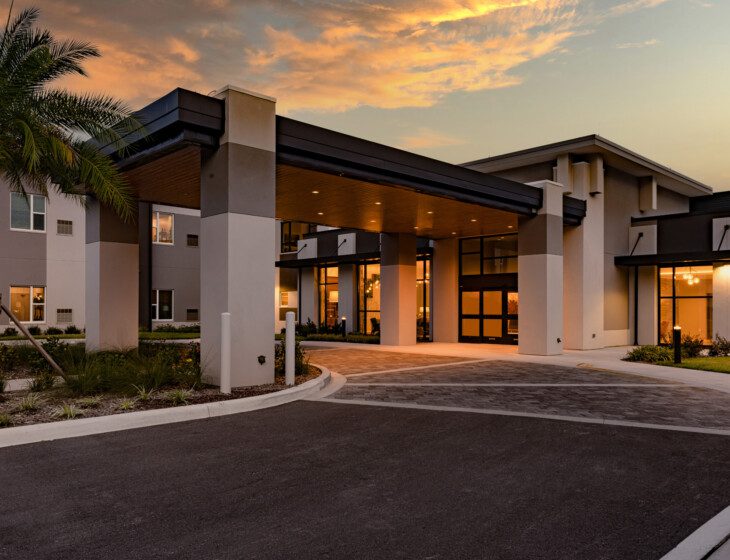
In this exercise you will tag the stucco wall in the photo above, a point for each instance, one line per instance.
(177, 267)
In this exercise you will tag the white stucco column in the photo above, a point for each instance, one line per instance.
(648, 306)
(583, 262)
(308, 299)
(398, 289)
(721, 300)
(347, 288)
(237, 240)
(445, 290)
(540, 278)
(112, 280)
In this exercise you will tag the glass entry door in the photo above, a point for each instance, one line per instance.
(489, 315)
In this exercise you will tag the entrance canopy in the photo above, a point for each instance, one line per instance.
(328, 178)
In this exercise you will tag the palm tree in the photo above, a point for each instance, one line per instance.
(45, 131)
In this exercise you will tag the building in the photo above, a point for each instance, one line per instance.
(576, 245)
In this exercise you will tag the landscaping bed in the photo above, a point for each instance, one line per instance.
(716, 357)
(102, 383)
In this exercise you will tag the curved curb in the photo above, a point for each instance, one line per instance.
(126, 421)
(705, 541)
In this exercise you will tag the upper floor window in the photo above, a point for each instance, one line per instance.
(163, 228)
(488, 255)
(291, 232)
(27, 213)
(28, 303)
(192, 240)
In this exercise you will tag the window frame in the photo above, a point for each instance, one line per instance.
(155, 304)
(674, 298)
(362, 304)
(322, 289)
(31, 198)
(190, 236)
(32, 304)
(155, 227)
(504, 260)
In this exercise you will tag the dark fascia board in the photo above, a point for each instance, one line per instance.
(181, 115)
(305, 145)
(672, 259)
(341, 259)
(592, 141)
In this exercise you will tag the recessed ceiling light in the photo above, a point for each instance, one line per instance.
(429, 212)
(315, 192)
(510, 227)
(473, 220)
(320, 213)
(453, 233)
(415, 227)
(378, 203)
(372, 221)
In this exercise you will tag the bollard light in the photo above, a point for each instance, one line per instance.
(344, 326)
(677, 341)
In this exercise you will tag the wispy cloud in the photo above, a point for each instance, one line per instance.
(319, 54)
(639, 44)
(425, 137)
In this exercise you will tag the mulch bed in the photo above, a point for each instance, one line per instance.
(107, 404)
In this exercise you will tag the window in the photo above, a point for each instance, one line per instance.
(28, 303)
(423, 295)
(369, 298)
(27, 213)
(64, 316)
(192, 240)
(192, 315)
(685, 299)
(488, 255)
(162, 305)
(163, 228)
(64, 227)
(329, 296)
(291, 232)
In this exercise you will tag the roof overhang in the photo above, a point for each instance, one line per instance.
(672, 258)
(614, 155)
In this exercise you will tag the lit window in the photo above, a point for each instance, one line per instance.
(64, 227)
(163, 228)
(27, 213)
(64, 316)
(162, 305)
(28, 303)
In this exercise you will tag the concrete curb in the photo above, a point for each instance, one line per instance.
(701, 544)
(126, 421)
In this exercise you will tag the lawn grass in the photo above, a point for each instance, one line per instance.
(42, 336)
(719, 364)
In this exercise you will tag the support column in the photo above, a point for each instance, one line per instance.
(540, 279)
(237, 240)
(347, 288)
(445, 286)
(721, 301)
(398, 289)
(112, 280)
(583, 268)
(648, 306)
(308, 297)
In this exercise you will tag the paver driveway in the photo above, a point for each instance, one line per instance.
(502, 386)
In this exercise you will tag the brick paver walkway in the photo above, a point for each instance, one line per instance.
(520, 387)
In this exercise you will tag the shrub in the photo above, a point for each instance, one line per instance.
(720, 346)
(8, 358)
(3, 383)
(301, 362)
(89, 402)
(42, 382)
(143, 393)
(352, 337)
(34, 330)
(67, 412)
(692, 346)
(30, 402)
(181, 329)
(127, 404)
(306, 329)
(72, 329)
(10, 331)
(178, 397)
(650, 354)
(53, 331)
(5, 420)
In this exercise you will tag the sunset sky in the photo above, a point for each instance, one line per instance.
(455, 80)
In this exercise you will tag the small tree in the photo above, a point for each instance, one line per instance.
(44, 131)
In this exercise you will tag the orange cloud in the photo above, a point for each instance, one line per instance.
(425, 137)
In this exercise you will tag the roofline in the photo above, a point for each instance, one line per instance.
(600, 142)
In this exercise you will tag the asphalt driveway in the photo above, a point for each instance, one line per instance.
(333, 480)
